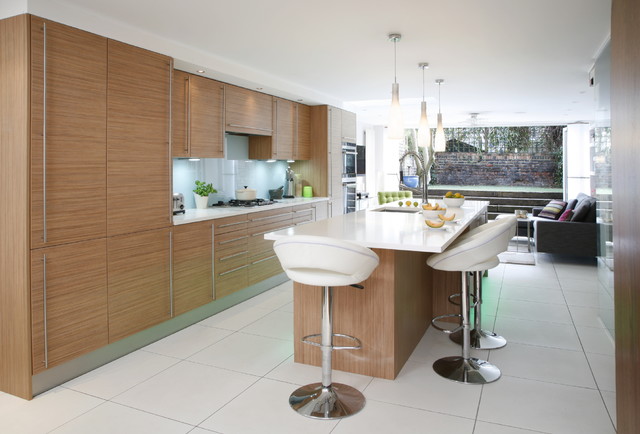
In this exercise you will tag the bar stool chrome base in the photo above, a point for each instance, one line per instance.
(468, 371)
(333, 402)
(480, 340)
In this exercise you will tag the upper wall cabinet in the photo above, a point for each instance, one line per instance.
(197, 116)
(68, 134)
(247, 111)
(348, 127)
(302, 145)
(138, 142)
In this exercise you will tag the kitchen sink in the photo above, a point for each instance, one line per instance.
(397, 209)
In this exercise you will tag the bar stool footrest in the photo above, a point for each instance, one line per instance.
(448, 315)
(357, 346)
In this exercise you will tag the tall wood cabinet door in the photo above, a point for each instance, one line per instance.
(285, 119)
(302, 147)
(138, 152)
(139, 269)
(68, 134)
(180, 114)
(348, 127)
(247, 111)
(68, 302)
(335, 173)
(192, 266)
(206, 112)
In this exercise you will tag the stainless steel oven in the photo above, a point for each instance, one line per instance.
(349, 157)
(349, 197)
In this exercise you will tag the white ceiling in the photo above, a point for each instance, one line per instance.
(511, 61)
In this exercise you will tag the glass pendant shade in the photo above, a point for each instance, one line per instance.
(424, 133)
(396, 128)
(440, 143)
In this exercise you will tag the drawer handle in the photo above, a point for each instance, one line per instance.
(233, 256)
(250, 127)
(271, 230)
(234, 239)
(231, 224)
(270, 217)
(264, 259)
(234, 270)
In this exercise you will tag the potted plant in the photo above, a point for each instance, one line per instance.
(201, 193)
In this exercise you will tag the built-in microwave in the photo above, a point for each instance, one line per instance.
(349, 157)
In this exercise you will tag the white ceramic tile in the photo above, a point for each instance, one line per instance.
(287, 307)
(596, 340)
(111, 418)
(584, 286)
(188, 341)
(582, 299)
(586, 316)
(187, 392)
(270, 300)
(534, 311)
(544, 406)
(524, 293)
(299, 374)
(418, 386)
(489, 305)
(436, 344)
(586, 272)
(527, 272)
(383, 418)
(245, 353)
(235, 317)
(604, 369)
(538, 333)
(264, 409)
(492, 428)
(531, 281)
(610, 402)
(278, 324)
(544, 364)
(43, 413)
(198, 430)
(114, 378)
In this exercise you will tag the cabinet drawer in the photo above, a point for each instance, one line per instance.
(262, 267)
(229, 224)
(230, 240)
(259, 245)
(302, 217)
(231, 282)
(228, 264)
(267, 217)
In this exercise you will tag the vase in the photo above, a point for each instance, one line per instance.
(201, 201)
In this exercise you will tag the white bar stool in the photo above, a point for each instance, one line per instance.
(474, 253)
(326, 262)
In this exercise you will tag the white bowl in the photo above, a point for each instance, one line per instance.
(432, 214)
(453, 202)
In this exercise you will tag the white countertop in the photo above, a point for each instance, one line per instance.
(216, 212)
(390, 230)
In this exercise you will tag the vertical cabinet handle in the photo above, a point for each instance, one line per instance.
(213, 271)
(44, 132)
(187, 114)
(223, 118)
(171, 273)
(170, 133)
(44, 310)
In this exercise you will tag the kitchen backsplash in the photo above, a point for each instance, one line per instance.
(228, 174)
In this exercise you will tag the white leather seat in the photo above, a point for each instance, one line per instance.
(475, 252)
(326, 262)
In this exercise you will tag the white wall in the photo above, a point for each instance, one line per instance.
(10, 8)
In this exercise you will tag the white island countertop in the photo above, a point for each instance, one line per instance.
(216, 212)
(391, 230)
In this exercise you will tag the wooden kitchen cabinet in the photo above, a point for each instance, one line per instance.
(68, 134)
(138, 151)
(263, 262)
(302, 145)
(348, 127)
(139, 269)
(197, 106)
(248, 111)
(230, 255)
(68, 302)
(192, 266)
(336, 204)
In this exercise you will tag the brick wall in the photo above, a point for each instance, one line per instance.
(470, 168)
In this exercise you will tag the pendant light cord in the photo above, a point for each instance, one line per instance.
(395, 61)
(439, 98)
(423, 83)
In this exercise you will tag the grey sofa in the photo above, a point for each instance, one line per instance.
(575, 237)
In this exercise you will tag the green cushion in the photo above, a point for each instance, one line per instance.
(393, 196)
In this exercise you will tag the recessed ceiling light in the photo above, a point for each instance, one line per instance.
(201, 71)
(194, 159)
(300, 100)
(258, 88)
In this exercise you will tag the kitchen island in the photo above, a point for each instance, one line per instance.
(393, 311)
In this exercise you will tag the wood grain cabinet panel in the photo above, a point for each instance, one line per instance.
(138, 152)
(197, 116)
(192, 266)
(248, 111)
(68, 134)
(68, 302)
(230, 255)
(348, 126)
(139, 269)
(285, 129)
(302, 145)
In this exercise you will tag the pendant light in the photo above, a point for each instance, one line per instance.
(424, 133)
(440, 142)
(396, 128)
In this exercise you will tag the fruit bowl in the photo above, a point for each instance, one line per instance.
(410, 181)
(432, 214)
(453, 202)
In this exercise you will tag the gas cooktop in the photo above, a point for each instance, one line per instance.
(245, 203)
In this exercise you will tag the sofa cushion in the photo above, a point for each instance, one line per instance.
(566, 215)
(572, 204)
(553, 210)
(585, 210)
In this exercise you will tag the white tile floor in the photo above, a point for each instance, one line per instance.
(233, 373)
